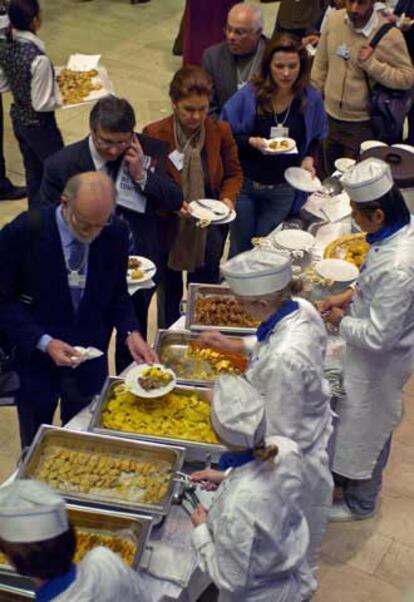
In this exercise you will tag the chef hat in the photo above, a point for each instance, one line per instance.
(237, 412)
(30, 511)
(257, 272)
(368, 181)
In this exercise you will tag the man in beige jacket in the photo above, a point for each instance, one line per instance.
(343, 60)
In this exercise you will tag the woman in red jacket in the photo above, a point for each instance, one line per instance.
(203, 160)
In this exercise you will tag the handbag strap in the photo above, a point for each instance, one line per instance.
(383, 30)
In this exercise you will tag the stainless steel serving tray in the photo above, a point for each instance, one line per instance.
(204, 290)
(171, 345)
(15, 588)
(106, 444)
(135, 527)
(195, 451)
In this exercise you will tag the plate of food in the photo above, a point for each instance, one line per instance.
(351, 247)
(79, 87)
(210, 210)
(276, 146)
(150, 381)
(140, 269)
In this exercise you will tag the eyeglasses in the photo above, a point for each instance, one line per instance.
(237, 31)
(81, 223)
(104, 143)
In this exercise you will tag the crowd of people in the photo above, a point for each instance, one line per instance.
(118, 192)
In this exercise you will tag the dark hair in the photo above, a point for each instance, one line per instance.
(264, 83)
(189, 80)
(43, 559)
(112, 114)
(393, 206)
(22, 13)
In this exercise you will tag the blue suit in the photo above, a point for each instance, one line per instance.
(105, 305)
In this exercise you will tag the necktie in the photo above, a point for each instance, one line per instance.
(76, 266)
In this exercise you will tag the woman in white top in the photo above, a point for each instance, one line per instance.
(252, 541)
(379, 334)
(285, 371)
(26, 70)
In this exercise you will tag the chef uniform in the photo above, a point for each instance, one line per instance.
(253, 545)
(31, 512)
(286, 372)
(379, 334)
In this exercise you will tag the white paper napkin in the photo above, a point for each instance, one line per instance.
(83, 62)
(87, 353)
(337, 208)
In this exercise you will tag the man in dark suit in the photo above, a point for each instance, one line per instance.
(232, 63)
(70, 291)
(137, 164)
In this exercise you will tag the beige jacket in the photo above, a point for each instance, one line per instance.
(342, 82)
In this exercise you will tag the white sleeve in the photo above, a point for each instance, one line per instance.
(250, 343)
(4, 84)
(383, 328)
(226, 559)
(44, 90)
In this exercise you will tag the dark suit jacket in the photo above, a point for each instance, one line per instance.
(161, 192)
(105, 304)
(220, 64)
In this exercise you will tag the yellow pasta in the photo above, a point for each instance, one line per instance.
(175, 415)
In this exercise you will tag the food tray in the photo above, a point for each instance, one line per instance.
(171, 347)
(205, 290)
(337, 248)
(15, 588)
(132, 527)
(195, 450)
(101, 78)
(120, 449)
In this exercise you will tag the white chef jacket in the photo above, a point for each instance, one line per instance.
(254, 543)
(102, 576)
(44, 91)
(379, 333)
(287, 371)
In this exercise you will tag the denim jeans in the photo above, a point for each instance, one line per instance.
(259, 211)
(361, 495)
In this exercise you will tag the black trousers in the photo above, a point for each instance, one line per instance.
(36, 145)
(38, 398)
(171, 287)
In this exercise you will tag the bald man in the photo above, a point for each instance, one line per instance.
(63, 284)
(231, 64)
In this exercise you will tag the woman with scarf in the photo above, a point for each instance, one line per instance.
(203, 160)
(285, 371)
(378, 330)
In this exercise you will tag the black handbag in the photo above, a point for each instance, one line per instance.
(388, 108)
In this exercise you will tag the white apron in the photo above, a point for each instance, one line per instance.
(379, 334)
(287, 370)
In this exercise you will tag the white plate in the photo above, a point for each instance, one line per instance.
(294, 240)
(406, 147)
(278, 151)
(337, 270)
(147, 266)
(344, 163)
(368, 144)
(131, 381)
(302, 179)
(209, 209)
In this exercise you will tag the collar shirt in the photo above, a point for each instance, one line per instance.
(368, 28)
(99, 163)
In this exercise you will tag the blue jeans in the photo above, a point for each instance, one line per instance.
(259, 211)
(361, 495)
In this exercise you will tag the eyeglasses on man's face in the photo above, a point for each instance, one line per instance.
(105, 142)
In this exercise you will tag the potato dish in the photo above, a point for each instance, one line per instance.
(175, 415)
(106, 475)
(222, 310)
(353, 248)
(86, 540)
(75, 86)
(279, 145)
(154, 378)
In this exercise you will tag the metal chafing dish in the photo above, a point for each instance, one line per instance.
(204, 290)
(135, 528)
(105, 444)
(196, 451)
(15, 588)
(171, 347)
